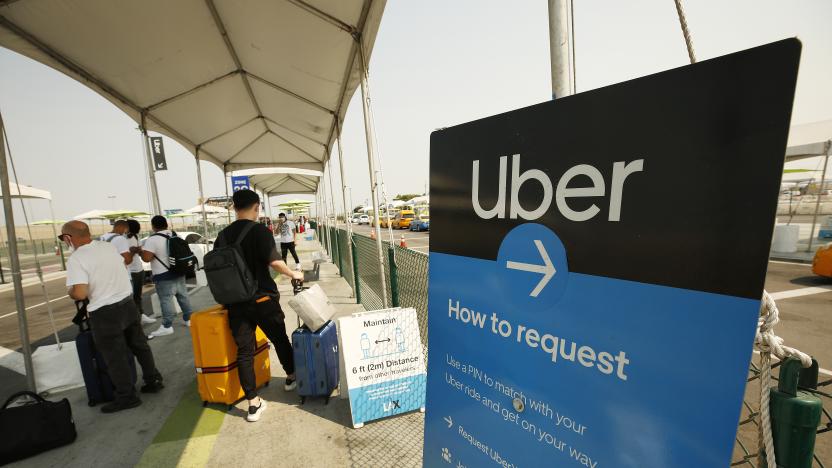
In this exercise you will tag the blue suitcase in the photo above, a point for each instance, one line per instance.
(316, 361)
(94, 370)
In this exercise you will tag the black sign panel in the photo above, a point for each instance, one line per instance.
(655, 145)
(159, 161)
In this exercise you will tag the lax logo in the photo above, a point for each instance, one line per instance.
(391, 405)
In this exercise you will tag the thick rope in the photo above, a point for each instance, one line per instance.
(770, 344)
(685, 31)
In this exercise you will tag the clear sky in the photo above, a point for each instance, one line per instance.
(436, 63)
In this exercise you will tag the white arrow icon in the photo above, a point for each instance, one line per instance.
(449, 421)
(547, 269)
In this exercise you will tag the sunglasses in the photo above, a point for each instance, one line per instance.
(63, 237)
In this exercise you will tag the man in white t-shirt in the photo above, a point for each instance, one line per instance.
(128, 246)
(95, 272)
(119, 228)
(169, 285)
(286, 233)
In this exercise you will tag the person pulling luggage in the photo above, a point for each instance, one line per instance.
(95, 271)
(258, 250)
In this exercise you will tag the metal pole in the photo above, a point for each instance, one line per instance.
(335, 213)
(55, 236)
(201, 195)
(561, 48)
(228, 206)
(154, 190)
(326, 216)
(820, 191)
(14, 260)
(368, 133)
(347, 213)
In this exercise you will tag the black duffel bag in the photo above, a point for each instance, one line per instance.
(34, 428)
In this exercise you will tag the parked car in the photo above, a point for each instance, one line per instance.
(403, 219)
(363, 219)
(822, 263)
(420, 223)
(196, 241)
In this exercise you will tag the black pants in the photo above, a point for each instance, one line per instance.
(138, 285)
(288, 247)
(115, 328)
(243, 319)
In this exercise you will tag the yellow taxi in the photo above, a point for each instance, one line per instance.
(403, 219)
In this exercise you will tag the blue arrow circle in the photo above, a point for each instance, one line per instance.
(533, 266)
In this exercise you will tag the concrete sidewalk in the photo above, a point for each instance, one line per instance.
(172, 428)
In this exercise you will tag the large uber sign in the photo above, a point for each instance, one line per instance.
(596, 269)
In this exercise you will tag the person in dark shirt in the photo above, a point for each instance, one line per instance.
(259, 251)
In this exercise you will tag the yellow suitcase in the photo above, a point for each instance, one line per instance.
(215, 357)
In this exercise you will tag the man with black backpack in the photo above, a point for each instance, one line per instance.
(238, 275)
(170, 260)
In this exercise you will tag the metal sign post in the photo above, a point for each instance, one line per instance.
(599, 307)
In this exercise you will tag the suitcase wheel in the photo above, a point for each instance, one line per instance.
(204, 404)
(230, 407)
(91, 403)
(302, 400)
(266, 384)
(327, 401)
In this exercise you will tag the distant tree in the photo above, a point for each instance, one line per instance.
(357, 209)
(407, 196)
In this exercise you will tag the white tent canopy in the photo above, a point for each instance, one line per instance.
(93, 214)
(241, 83)
(207, 209)
(283, 181)
(26, 191)
(809, 140)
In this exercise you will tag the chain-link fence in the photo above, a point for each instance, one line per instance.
(746, 448)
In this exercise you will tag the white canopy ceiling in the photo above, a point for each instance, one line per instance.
(243, 83)
(282, 181)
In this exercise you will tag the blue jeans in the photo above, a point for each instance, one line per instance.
(167, 289)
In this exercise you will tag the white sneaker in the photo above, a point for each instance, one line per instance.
(146, 319)
(297, 266)
(161, 331)
(255, 416)
(187, 323)
(290, 384)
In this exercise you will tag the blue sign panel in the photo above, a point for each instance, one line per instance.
(240, 183)
(594, 289)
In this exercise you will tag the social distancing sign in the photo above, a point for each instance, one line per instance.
(596, 269)
(384, 363)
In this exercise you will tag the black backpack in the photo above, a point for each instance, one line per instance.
(181, 260)
(229, 278)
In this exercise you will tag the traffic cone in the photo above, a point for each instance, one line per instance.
(403, 243)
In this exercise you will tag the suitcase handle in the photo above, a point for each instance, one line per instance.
(17, 395)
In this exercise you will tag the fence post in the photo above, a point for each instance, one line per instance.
(42, 247)
(355, 275)
(2, 276)
(337, 249)
(394, 273)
